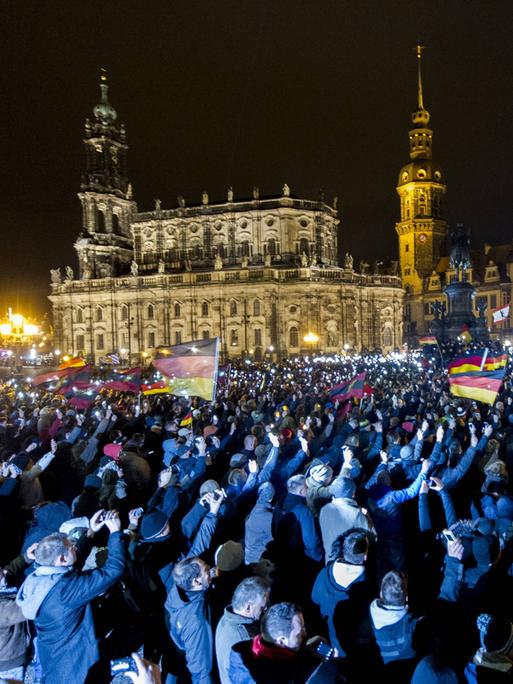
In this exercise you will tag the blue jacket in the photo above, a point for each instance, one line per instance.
(188, 616)
(296, 531)
(64, 617)
(258, 531)
(343, 606)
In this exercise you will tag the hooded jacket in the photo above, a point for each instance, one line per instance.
(336, 517)
(343, 602)
(59, 602)
(393, 629)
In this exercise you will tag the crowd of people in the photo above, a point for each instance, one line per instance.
(274, 535)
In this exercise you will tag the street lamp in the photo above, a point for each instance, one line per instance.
(312, 339)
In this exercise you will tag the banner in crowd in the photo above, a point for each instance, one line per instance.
(124, 380)
(478, 377)
(427, 339)
(500, 315)
(191, 367)
(74, 362)
(354, 388)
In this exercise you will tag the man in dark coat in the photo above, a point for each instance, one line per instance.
(58, 599)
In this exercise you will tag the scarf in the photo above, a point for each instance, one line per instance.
(262, 650)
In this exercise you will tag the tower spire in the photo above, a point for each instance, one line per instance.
(104, 111)
(418, 50)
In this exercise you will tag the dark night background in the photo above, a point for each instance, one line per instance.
(316, 94)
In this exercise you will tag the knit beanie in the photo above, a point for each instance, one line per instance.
(343, 488)
(112, 451)
(406, 452)
(229, 556)
(208, 486)
(152, 524)
(321, 474)
(21, 461)
(238, 461)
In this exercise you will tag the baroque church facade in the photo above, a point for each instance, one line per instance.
(261, 273)
(423, 237)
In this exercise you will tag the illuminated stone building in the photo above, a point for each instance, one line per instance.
(423, 238)
(260, 272)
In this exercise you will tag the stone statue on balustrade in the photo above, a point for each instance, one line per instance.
(69, 274)
(134, 269)
(304, 260)
(218, 263)
(55, 276)
(348, 261)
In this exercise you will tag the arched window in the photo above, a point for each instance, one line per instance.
(100, 221)
(99, 313)
(115, 223)
(256, 307)
(80, 316)
(271, 247)
(205, 334)
(234, 338)
(221, 250)
(151, 311)
(304, 246)
(178, 311)
(233, 308)
(294, 337)
(124, 312)
(244, 248)
(204, 308)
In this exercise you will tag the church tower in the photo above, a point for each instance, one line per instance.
(421, 186)
(104, 246)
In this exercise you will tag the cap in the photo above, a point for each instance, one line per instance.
(152, 524)
(229, 556)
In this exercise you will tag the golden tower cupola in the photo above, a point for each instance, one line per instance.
(420, 186)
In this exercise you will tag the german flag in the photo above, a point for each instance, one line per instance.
(74, 362)
(186, 420)
(161, 387)
(124, 381)
(478, 377)
(428, 339)
(190, 367)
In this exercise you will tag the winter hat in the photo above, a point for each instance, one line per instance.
(169, 445)
(266, 492)
(343, 488)
(70, 525)
(208, 486)
(505, 507)
(229, 556)
(113, 451)
(93, 481)
(287, 433)
(408, 426)
(153, 523)
(461, 411)
(209, 430)
(238, 461)
(321, 474)
(184, 432)
(496, 634)
(406, 452)
(21, 461)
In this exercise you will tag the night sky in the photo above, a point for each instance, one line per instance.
(232, 92)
